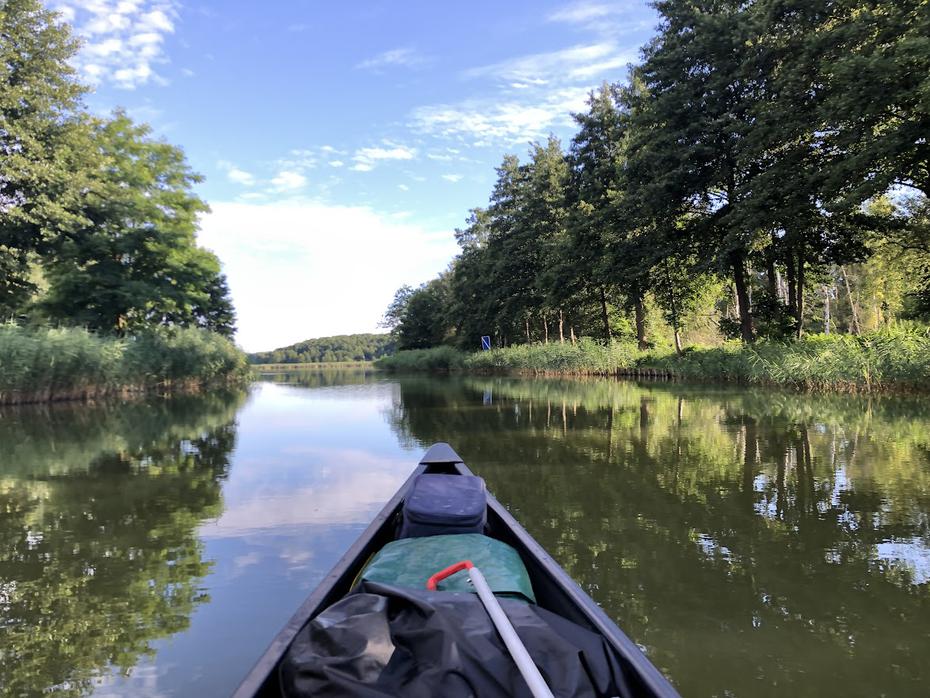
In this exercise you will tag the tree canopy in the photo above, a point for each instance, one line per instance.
(761, 172)
(346, 347)
(97, 218)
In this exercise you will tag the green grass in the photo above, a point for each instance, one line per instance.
(586, 357)
(893, 359)
(435, 359)
(40, 365)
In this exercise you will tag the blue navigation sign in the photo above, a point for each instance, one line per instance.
(486, 342)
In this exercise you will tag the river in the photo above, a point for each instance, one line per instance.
(753, 543)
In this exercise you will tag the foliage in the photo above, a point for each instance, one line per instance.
(97, 219)
(423, 321)
(71, 363)
(435, 359)
(347, 347)
(136, 264)
(43, 144)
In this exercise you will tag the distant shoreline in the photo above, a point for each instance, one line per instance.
(309, 366)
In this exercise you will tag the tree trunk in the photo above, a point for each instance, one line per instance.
(792, 283)
(826, 309)
(561, 327)
(750, 456)
(526, 321)
(772, 272)
(571, 330)
(853, 306)
(799, 314)
(545, 329)
(737, 261)
(640, 313)
(604, 316)
(675, 326)
(771, 276)
(610, 432)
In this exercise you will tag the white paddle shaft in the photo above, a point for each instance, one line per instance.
(514, 644)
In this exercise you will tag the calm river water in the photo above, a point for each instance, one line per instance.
(752, 543)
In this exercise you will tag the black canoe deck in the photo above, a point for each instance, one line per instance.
(554, 589)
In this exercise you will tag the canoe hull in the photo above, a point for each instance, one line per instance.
(555, 590)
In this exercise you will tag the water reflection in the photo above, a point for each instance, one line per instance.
(317, 378)
(753, 542)
(99, 553)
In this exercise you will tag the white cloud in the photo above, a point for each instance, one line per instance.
(336, 163)
(157, 19)
(65, 12)
(145, 39)
(235, 174)
(406, 57)
(561, 66)
(536, 93)
(104, 48)
(403, 187)
(288, 180)
(510, 121)
(366, 158)
(284, 282)
(241, 177)
(122, 38)
(581, 12)
(452, 177)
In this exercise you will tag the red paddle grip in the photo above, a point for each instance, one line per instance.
(448, 572)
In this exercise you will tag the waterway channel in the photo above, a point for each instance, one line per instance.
(753, 543)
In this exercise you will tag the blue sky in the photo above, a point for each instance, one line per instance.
(342, 142)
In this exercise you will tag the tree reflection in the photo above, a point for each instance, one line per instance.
(755, 542)
(320, 378)
(99, 553)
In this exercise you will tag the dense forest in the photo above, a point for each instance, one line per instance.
(97, 218)
(344, 347)
(762, 173)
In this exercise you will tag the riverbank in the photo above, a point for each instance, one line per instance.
(889, 360)
(50, 365)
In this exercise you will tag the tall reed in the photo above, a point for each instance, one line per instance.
(896, 358)
(46, 364)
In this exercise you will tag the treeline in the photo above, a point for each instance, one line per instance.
(344, 347)
(97, 218)
(763, 172)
